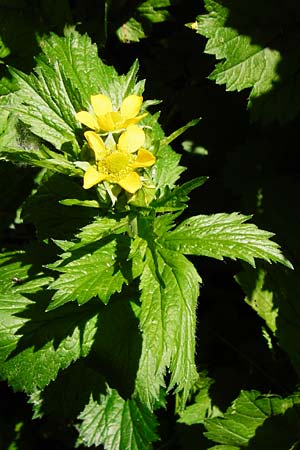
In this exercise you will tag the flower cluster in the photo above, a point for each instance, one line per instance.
(116, 161)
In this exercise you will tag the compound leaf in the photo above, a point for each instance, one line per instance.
(224, 235)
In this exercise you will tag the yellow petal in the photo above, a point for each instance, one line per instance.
(144, 158)
(132, 139)
(131, 105)
(101, 104)
(92, 177)
(131, 183)
(96, 144)
(110, 121)
(134, 120)
(87, 119)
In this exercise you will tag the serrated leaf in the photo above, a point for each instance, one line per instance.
(202, 407)
(248, 421)
(176, 198)
(273, 294)
(43, 103)
(73, 386)
(100, 228)
(117, 424)
(85, 71)
(22, 271)
(19, 145)
(80, 63)
(52, 218)
(68, 72)
(166, 170)
(253, 55)
(88, 273)
(224, 235)
(37, 344)
(40, 158)
(170, 288)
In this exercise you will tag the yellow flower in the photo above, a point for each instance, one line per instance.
(104, 118)
(117, 164)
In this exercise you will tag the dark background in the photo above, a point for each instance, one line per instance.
(252, 168)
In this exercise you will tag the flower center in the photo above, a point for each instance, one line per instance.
(117, 162)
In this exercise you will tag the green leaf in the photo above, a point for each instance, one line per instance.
(131, 31)
(43, 103)
(35, 344)
(52, 218)
(89, 272)
(73, 386)
(253, 54)
(86, 73)
(95, 265)
(155, 10)
(100, 228)
(22, 271)
(166, 170)
(170, 288)
(117, 424)
(176, 199)
(41, 157)
(257, 421)
(113, 359)
(224, 235)
(179, 132)
(203, 407)
(139, 25)
(19, 145)
(68, 72)
(274, 295)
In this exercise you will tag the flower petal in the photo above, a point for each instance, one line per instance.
(134, 120)
(101, 104)
(87, 119)
(130, 106)
(96, 144)
(132, 139)
(144, 158)
(131, 183)
(110, 121)
(92, 177)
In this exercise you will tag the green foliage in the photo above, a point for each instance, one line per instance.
(117, 423)
(222, 235)
(99, 315)
(203, 407)
(252, 54)
(252, 411)
(146, 13)
(91, 268)
(274, 297)
(168, 318)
